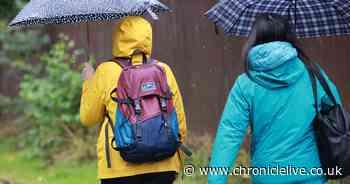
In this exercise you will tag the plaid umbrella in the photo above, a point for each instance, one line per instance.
(77, 11)
(310, 18)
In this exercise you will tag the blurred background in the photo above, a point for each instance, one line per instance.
(41, 139)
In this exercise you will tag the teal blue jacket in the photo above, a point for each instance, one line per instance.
(279, 107)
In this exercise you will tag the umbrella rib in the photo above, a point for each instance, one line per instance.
(68, 17)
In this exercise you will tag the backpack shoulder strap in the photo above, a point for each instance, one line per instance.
(152, 61)
(125, 62)
(314, 86)
(320, 76)
(122, 62)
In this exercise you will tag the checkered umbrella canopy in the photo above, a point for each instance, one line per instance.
(310, 18)
(77, 11)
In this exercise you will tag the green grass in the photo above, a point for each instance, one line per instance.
(17, 166)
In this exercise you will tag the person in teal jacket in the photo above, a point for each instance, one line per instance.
(274, 97)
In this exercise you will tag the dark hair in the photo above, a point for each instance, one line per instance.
(269, 28)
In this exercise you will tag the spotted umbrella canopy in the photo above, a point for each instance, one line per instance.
(79, 11)
(310, 18)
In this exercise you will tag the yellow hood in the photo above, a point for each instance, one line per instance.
(132, 34)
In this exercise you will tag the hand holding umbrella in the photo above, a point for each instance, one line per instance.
(87, 72)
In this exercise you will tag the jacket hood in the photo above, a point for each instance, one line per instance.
(132, 35)
(275, 64)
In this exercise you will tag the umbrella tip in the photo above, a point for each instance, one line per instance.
(153, 15)
(12, 26)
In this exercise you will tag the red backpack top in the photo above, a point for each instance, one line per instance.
(147, 88)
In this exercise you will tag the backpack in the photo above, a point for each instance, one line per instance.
(146, 127)
(332, 131)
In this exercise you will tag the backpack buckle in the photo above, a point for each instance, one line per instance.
(163, 104)
(138, 106)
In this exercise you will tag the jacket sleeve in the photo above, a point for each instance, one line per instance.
(178, 102)
(92, 106)
(230, 134)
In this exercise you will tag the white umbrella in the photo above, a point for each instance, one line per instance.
(79, 11)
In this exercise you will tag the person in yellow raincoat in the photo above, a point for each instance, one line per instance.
(131, 39)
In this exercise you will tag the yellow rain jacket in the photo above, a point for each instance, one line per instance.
(132, 33)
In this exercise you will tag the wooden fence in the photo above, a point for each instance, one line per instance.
(205, 64)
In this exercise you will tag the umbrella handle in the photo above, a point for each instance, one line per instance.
(216, 29)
